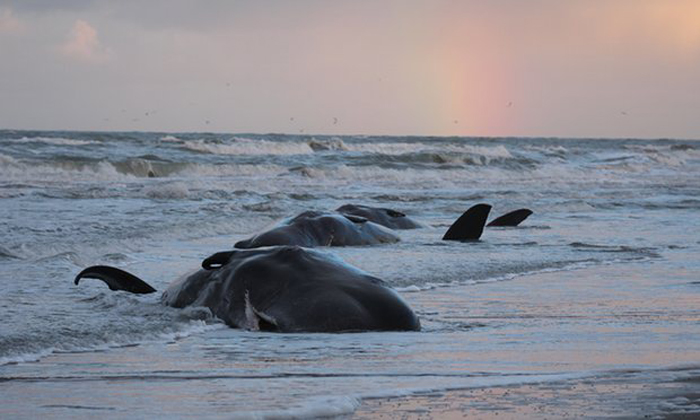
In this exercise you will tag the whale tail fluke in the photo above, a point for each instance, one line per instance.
(116, 279)
(470, 225)
(514, 218)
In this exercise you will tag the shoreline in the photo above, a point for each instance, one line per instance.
(673, 395)
(661, 390)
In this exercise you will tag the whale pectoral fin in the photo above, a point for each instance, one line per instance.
(116, 279)
(256, 320)
(470, 224)
(355, 219)
(217, 260)
(513, 218)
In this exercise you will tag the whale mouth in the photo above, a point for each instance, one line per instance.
(256, 320)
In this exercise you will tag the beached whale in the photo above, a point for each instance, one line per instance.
(312, 228)
(282, 289)
(397, 220)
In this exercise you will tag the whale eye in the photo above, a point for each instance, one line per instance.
(394, 213)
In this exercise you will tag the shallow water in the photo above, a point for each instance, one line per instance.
(601, 280)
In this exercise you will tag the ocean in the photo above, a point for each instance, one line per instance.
(602, 282)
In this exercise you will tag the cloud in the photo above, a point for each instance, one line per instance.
(8, 22)
(668, 26)
(83, 44)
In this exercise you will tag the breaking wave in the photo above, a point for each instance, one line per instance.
(244, 146)
(56, 141)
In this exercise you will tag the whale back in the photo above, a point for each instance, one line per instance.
(292, 289)
(312, 229)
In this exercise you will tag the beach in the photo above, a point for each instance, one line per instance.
(588, 309)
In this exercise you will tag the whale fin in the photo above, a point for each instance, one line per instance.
(116, 279)
(470, 224)
(217, 260)
(514, 218)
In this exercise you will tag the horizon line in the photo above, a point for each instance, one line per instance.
(544, 137)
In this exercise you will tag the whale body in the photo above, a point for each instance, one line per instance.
(365, 226)
(282, 289)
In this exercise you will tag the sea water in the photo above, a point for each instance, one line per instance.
(602, 280)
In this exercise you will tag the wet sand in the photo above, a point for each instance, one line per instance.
(634, 395)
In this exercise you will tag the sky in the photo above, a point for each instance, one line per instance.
(553, 68)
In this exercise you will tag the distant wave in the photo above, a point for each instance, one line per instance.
(299, 161)
(58, 141)
(123, 170)
(244, 146)
(372, 152)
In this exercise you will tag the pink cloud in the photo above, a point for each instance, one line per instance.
(84, 44)
(8, 22)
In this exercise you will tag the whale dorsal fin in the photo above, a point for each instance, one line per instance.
(470, 224)
(514, 218)
(116, 279)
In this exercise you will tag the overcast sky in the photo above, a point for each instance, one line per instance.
(574, 68)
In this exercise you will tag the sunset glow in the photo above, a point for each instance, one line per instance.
(619, 68)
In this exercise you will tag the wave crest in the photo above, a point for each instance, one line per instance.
(245, 146)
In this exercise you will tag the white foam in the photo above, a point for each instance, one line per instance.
(411, 289)
(199, 170)
(170, 138)
(28, 357)
(319, 407)
(244, 146)
(556, 150)
(479, 154)
(181, 330)
(58, 141)
(665, 155)
(489, 153)
(387, 148)
(13, 170)
(175, 190)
